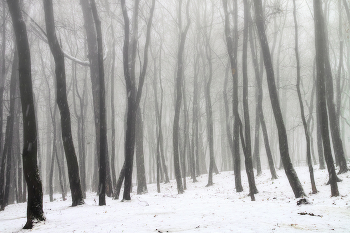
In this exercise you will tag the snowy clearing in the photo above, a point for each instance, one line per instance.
(200, 209)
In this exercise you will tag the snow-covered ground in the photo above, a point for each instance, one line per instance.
(200, 209)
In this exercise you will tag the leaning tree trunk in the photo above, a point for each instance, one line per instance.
(282, 134)
(62, 102)
(320, 44)
(260, 114)
(29, 154)
(307, 136)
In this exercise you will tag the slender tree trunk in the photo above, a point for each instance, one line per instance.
(178, 87)
(7, 152)
(35, 194)
(227, 115)
(248, 147)
(140, 161)
(320, 43)
(307, 137)
(208, 104)
(3, 71)
(232, 52)
(102, 113)
(114, 177)
(62, 102)
(282, 134)
(260, 113)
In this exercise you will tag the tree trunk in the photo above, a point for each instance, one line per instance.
(62, 102)
(248, 147)
(260, 113)
(179, 81)
(307, 137)
(35, 194)
(102, 113)
(114, 176)
(208, 105)
(320, 44)
(232, 52)
(282, 134)
(140, 161)
(7, 152)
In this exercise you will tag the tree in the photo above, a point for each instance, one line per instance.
(307, 136)
(62, 102)
(208, 104)
(7, 151)
(320, 43)
(29, 154)
(133, 93)
(247, 147)
(179, 81)
(282, 134)
(260, 114)
(232, 52)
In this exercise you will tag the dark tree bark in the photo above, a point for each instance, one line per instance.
(232, 52)
(102, 113)
(320, 43)
(62, 102)
(93, 59)
(35, 194)
(248, 147)
(307, 136)
(282, 134)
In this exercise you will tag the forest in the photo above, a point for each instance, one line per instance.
(107, 98)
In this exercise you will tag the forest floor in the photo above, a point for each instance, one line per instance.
(200, 209)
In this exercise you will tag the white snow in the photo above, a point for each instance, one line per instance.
(200, 209)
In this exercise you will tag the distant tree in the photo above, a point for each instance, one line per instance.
(29, 154)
